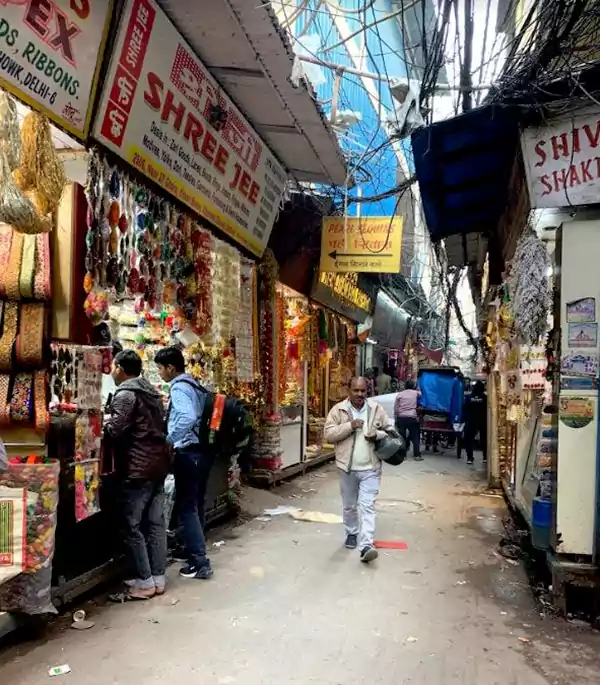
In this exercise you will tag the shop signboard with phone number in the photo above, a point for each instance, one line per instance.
(163, 112)
(50, 52)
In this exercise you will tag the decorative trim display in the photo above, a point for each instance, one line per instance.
(30, 341)
(9, 333)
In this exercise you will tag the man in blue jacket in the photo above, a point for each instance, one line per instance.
(192, 462)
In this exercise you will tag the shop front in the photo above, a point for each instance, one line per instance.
(41, 494)
(312, 344)
(153, 238)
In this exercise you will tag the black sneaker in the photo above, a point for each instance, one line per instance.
(368, 554)
(351, 542)
(203, 572)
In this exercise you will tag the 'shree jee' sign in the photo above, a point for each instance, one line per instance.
(49, 54)
(163, 112)
(371, 244)
(562, 162)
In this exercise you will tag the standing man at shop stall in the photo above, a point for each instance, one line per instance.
(142, 462)
(353, 427)
(192, 460)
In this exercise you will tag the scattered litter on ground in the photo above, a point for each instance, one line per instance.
(226, 680)
(411, 639)
(302, 515)
(509, 550)
(281, 510)
(153, 620)
(80, 622)
(265, 519)
(82, 625)
(316, 517)
(504, 613)
(218, 544)
(175, 601)
(390, 544)
(525, 640)
(59, 670)
(309, 490)
(461, 582)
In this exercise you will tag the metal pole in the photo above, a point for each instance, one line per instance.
(337, 80)
(466, 82)
(378, 77)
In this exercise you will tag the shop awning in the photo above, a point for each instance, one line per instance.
(248, 54)
(464, 166)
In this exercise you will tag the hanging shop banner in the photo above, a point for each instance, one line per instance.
(562, 163)
(50, 54)
(163, 113)
(345, 294)
(369, 245)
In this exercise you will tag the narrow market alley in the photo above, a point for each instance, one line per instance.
(289, 605)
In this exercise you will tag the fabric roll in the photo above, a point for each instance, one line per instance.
(30, 341)
(21, 398)
(28, 263)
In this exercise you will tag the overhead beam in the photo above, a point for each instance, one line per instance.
(379, 77)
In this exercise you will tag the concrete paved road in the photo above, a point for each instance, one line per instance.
(289, 606)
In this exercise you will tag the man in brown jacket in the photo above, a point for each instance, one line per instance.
(136, 428)
(353, 426)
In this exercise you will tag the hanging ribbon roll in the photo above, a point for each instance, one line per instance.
(42, 418)
(30, 341)
(9, 333)
(42, 289)
(13, 271)
(28, 262)
(4, 397)
(6, 234)
(21, 398)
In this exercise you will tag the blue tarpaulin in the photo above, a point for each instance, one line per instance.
(442, 392)
(463, 166)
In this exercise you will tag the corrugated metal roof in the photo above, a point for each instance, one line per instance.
(242, 45)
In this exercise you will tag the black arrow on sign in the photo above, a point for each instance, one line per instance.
(335, 254)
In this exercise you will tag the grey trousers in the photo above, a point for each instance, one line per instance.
(359, 492)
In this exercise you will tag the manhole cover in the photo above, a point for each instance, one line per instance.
(404, 505)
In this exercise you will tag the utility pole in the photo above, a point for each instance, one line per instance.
(466, 82)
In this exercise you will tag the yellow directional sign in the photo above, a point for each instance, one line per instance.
(371, 244)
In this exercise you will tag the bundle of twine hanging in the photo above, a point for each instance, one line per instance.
(41, 174)
(15, 209)
(10, 138)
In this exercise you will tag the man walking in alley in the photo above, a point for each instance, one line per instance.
(192, 460)
(407, 420)
(142, 463)
(353, 426)
(475, 416)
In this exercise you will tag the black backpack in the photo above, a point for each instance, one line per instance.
(230, 430)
